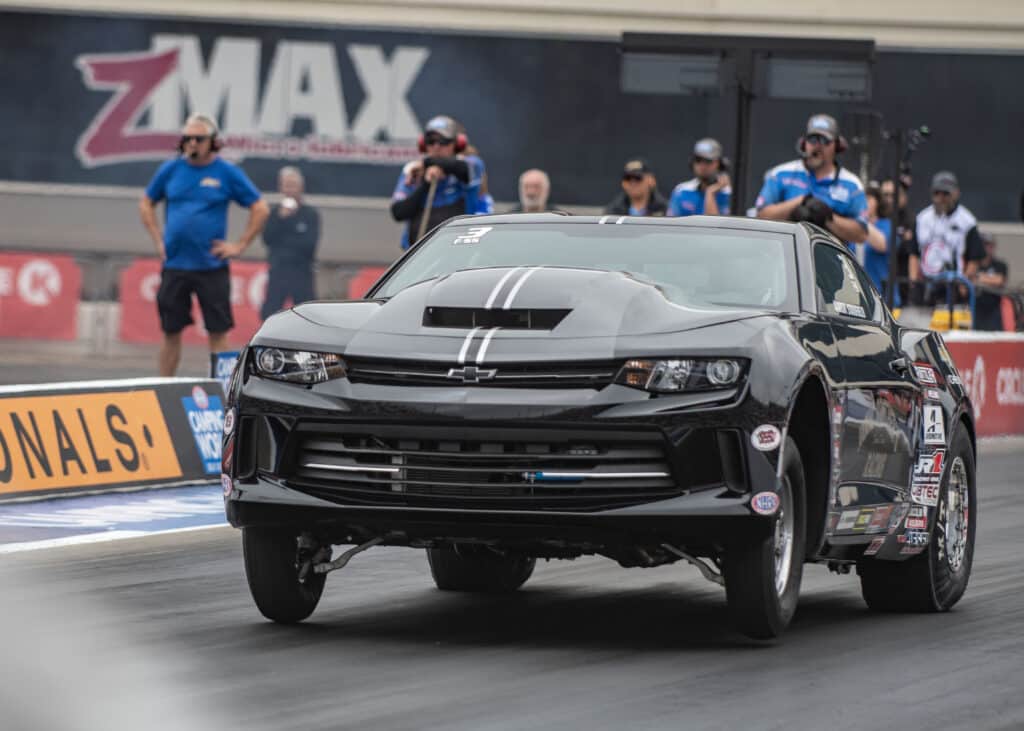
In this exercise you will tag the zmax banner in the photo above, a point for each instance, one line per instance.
(100, 99)
(92, 436)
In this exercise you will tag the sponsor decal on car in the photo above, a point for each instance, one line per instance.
(847, 519)
(932, 393)
(765, 503)
(879, 519)
(229, 422)
(924, 486)
(915, 522)
(911, 550)
(934, 425)
(898, 513)
(863, 519)
(914, 538)
(766, 437)
(925, 373)
(874, 546)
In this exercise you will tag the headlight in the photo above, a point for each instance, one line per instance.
(678, 374)
(297, 366)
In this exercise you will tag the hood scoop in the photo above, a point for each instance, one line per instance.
(511, 319)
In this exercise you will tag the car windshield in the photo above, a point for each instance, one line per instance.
(704, 267)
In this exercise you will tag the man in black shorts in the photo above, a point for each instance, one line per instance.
(198, 186)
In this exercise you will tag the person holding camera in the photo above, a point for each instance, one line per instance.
(198, 186)
(708, 192)
(815, 187)
(442, 184)
(291, 235)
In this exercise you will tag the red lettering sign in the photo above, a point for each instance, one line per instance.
(140, 322)
(39, 296)
(992, 370)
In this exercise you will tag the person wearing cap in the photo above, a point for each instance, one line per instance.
(815, 187)
(947, 240)
(291, 236)
(991, 277)
(708, 192)
(197, 187)
(640, 195)
(455, 177)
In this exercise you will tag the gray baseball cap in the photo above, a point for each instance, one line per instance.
(823, 124)
(709, 148)
(945, 181)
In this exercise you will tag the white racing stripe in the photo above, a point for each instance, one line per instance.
(103, 537)
(604, 219)
(515, 289)
(498, 286)
(465, 344)
(620, 220)
(483, 346)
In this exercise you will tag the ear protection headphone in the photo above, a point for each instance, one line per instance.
(460, 142)
(211, 125)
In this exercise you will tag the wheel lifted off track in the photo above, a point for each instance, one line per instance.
(934, 580)
(478, 569)
(270, 566)
(762, 579)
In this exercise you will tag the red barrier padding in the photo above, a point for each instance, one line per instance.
(39, 296)
(362, 281)
(992, 369)
(140, 322)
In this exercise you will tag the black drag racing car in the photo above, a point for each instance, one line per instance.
(727, 392)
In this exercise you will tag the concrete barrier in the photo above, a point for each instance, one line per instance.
(101, 436)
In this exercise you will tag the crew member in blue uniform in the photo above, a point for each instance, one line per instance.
(815, 187)
(709, 191)
(457, 177)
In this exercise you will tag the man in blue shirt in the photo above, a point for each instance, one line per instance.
(197, 186)
(815, 187)
(708, 192)
(456, 177)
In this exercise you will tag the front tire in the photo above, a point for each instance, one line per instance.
(271, 567)
(762, 579)
(934, 580)
(478, 569)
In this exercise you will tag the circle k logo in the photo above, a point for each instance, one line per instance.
(974, 383)
(38, 282)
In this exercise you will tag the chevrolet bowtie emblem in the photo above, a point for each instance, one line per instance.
(472, 374)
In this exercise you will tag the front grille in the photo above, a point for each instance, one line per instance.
(503, 375)
(481, 468)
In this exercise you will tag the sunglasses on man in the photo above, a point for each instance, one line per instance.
(705, 160)
(436, 140)
(632, 178)
(818, 140)
(194, 138)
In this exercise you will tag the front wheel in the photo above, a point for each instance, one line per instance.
(271, 566)
(934, 580)
(478, 569)
(762, 579)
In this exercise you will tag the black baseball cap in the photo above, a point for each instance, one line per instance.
(637, 167)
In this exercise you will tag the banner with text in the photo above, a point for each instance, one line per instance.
(992, 369)
(93, 436)
(39, 296)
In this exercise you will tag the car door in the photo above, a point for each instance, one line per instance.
(882, 400)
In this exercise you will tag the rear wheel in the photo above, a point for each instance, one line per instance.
(271, 567)
(762, 579)
(934, 580)
(478, 569)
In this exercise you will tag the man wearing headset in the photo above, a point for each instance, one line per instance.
(708, 192)
(815, 187)
(197, 186)
(455, 177)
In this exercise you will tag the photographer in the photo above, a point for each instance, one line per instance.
(815, 187)
(708, 192)
(444, 181)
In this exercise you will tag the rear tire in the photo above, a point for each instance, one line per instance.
(934, 580)
(478, 569)
(270, 566)
(762, 579)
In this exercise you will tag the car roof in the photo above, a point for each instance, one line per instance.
(720, 222)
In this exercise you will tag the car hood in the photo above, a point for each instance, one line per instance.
(565, 312)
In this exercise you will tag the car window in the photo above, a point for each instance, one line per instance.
(839, 287)
(707, 268)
